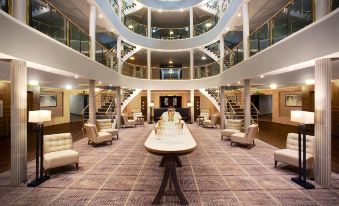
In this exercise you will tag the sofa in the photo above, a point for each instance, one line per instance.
(58, 151)
(96, 137)
(231, 126)
(245, 138)
(106, 125)
(290, 154)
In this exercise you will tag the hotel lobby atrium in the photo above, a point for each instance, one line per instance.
(169, 102)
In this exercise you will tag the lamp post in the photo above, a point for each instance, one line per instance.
(302, 118)
(39, 117)
(151, 105)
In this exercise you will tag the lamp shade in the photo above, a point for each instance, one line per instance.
(151, 104)
(189, 104)
(302, 117)
(39, 116)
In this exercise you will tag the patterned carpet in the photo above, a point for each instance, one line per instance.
(125, 174)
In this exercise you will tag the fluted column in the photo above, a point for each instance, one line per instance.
(149, 68)
(222, 107)
(18, 77)
(148, 107)
(322, 130)
(247, 103)
(91, 102)
(191, 63)
(322, 8)
(149, 22)
(20, 11)
(118, 107)
(191, 23)
(92, 30)
(222, 52)
(192, 105)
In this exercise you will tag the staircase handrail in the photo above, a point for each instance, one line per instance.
(110, 105)
(82, 112)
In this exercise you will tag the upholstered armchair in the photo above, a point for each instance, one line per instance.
(97, 137)
(106, 125)
(231, 126)
(212, 122)
(127, 122)
(246, 138)
(206, 116)
(290, 154)
(135, 117)
(58, 151)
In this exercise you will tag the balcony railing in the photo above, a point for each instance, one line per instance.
(207, 70)
(170, 33)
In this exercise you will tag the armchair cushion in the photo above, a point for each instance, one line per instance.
(290, 157)
(60, 158)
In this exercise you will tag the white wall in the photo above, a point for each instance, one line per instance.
(76, 104)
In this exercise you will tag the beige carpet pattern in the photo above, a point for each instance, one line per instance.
(125, 174)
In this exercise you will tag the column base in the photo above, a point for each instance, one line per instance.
(37, 182)
(304, 184)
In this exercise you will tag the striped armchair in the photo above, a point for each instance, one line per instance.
(246, 138)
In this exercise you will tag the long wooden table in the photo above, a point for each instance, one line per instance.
(171, 147)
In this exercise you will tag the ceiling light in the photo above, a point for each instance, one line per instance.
(171, 32)
(262, 76)
(112, 30)
(110, 85)
(186, 28)
(68, 87)
(76, 76)
(228, 85)
(309, 82)
(181, 10)
(100, 16)
(132, 58)
(239, 14)
(208, 24)
(33, 83)
(238, 82)
(170, 62)
(273, 86)
(153, 30)
(227, 28)
(130, 26)
(99, 82)
(203, 57)
(97, 89)
(160, 10)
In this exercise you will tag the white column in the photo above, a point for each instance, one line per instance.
(18, 77)
(92, 30)
(149, 22)
(322, 8)
(92, 109)
(222, 52)
(19, 10)
(149, 115)
(322, 130)
(191, 63)
(119, 48)
(192, 103)
(191, 22)
(120, 9)
(118, 107)
(247, 103)
(222, 107)
(220, 2)
(246, 29)
(149, 68)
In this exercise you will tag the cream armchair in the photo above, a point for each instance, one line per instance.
(290, 154)
(232, 126)
(212, 122)
(97, 137)
(206, 116)
(135, 117)
(126, 122)
(246, 138)
(106, 125)
(58, 151)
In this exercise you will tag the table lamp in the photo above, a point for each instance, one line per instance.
(302, 118)
(39, 117)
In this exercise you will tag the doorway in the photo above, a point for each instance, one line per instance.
(264, 104)
(77, 104)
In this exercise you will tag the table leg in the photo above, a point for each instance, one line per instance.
(170, 163)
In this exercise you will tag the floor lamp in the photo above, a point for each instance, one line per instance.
(302, 118)
(151, 105)
(190, 105)
(39, 117)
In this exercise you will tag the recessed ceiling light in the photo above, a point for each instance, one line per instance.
(181, 10)
(76, 76)
(273, 86)
(227, 28)
(160, 10)
(130, 26)
(171, 32)
(309, 82)
(228, 85)
(112, 30)
(186, 28)
(238, 82)
(68, 87)
(208, 24)
(100, 15)
(132, 58)
(170, 62)
(203, 57)
(262, 76)
(33, 83)
(100, 82)
(239, 14)
(97, 89)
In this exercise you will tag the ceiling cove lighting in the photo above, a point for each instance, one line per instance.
(273, 86)
(309, 82)
(33, 83)
(68, 87)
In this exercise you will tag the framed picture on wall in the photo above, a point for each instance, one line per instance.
(47, 100)
(293, 100)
